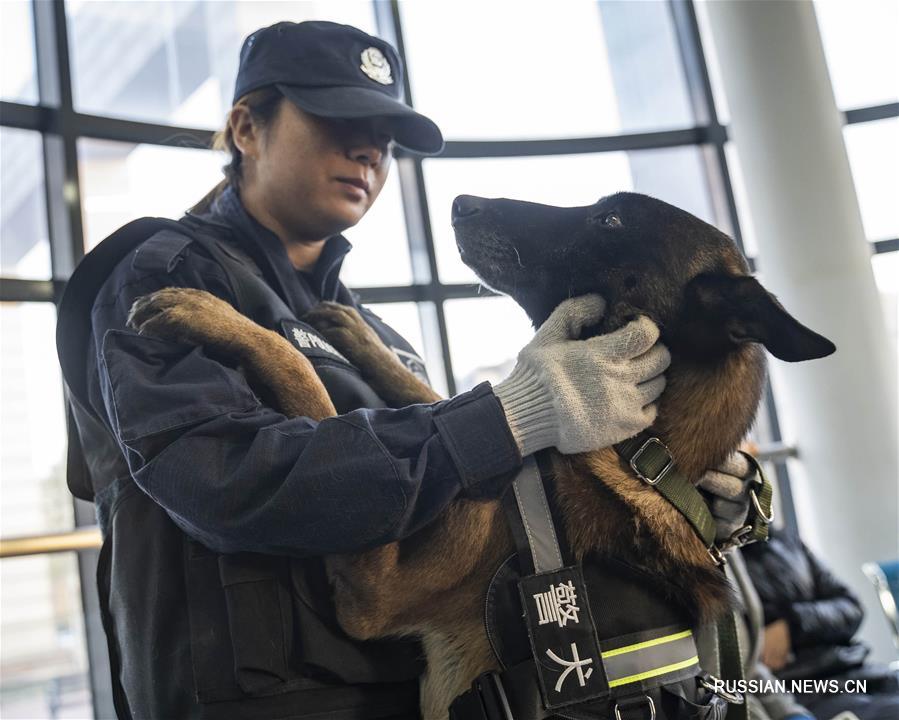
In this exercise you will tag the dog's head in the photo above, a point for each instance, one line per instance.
(643, 256)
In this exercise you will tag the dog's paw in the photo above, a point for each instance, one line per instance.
(344, 328)
(183, 314)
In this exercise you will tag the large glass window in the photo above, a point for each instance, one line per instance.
(18, 79)
(873, 149)
(174, 62)
(380, 254)
(485, 336)
(32, 449)
(123, 181)
(859, 40)
(43, 657)
(24, 242)
(524, 70)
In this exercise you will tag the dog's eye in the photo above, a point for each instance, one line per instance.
(610, 219)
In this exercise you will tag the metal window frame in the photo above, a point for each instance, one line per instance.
(61, 126)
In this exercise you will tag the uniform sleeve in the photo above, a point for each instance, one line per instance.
(239, 476)
(832, 617)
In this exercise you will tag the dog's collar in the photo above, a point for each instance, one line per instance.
(653, 463)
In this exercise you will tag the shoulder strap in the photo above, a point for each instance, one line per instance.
(73, 329)
(73, 324)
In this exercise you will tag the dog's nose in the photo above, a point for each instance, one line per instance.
(466, 206)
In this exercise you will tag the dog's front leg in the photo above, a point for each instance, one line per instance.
(345, 329)
(283, 376)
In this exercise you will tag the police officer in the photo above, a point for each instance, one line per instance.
(206, 496)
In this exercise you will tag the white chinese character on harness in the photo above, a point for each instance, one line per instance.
(558, 604)
(574, 664)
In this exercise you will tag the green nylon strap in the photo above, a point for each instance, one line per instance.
(760, 509)
(730, 659)
(652, 461)
(651, 457)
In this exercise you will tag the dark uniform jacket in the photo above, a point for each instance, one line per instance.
(202, 492)
(822, 613)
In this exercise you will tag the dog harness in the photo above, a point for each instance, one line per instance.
(598, 639)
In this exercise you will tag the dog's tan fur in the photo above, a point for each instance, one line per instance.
(432, 584)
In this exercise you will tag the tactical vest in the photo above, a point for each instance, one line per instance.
(595, 640)
(264, 641)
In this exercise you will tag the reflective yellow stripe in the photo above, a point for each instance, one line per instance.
(646, 644)
(653, 673)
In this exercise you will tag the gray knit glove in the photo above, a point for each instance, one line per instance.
(582, 395)
(727, 492)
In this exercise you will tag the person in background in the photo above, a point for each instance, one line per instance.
(811, 619)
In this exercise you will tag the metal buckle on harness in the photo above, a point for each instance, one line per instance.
(716, 686)
(717, 556)
(652, 708)
(767, 519)
(662, 472)
(738, 538)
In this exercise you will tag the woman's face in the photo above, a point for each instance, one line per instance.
(317, 176)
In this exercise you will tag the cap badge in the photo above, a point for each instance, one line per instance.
(375, 65)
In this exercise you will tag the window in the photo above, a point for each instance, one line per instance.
(380, 254)
(526, 71)
(860, 45)
(18, 79)
(32, 450)
(485, 337)
(24, 241)
(123, 181)
(43, 655)
(873, 149)
(174, 62)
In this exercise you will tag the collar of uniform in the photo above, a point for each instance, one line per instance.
(323, 282)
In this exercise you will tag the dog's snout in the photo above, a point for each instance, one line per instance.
(466, 206)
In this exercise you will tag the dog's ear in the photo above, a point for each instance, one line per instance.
(743, 311)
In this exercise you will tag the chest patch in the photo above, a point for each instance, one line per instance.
(563, 637)
(308, 341)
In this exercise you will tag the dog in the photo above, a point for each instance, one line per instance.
(644, 257)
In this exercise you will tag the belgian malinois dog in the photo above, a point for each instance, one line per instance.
(644, 257)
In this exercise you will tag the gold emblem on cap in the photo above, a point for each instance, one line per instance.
(375, 65)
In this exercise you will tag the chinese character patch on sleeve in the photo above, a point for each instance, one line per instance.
(563, 637)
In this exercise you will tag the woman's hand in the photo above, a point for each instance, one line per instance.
(727, 491)
(776, 646)
(582, 395)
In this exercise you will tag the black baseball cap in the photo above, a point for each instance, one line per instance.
(335, 71)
